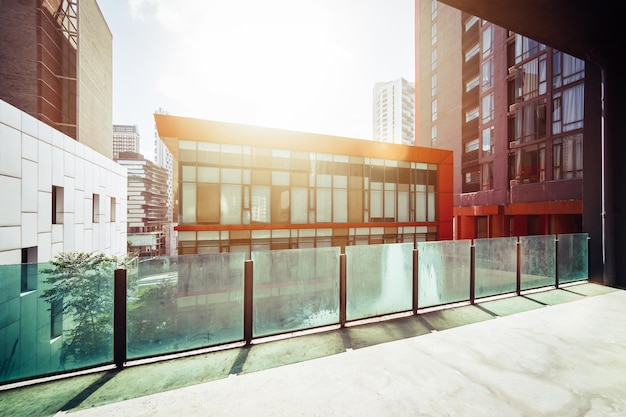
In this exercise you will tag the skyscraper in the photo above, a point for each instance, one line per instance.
(394, 112)
(511, 109)
(125, 139)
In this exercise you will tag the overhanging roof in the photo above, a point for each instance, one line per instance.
(583, 28)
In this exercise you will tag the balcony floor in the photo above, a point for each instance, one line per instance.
(553, 353)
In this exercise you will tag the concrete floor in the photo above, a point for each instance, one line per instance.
(553, 353)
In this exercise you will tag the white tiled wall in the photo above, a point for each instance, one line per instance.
(33, 158)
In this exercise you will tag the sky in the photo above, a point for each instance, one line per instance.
(305, 65)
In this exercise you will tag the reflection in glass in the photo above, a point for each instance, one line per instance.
(295, 289)
(443, 272)
(537, 261)
(496, 266)
(573, 257)
(185, 302)
(378, 279)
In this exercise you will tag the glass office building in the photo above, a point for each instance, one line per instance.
(243, 188)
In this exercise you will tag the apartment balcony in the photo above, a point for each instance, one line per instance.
(507, 326)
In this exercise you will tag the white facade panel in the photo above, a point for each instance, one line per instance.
(29, 186)
(10, 139)
(10, 207)
(29, 148)
(29, 167)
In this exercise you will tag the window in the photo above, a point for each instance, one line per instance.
(530, 164)
(433, 10)
(530, 79)
(57, 205)
(470, 22)
(433, 34)
(487, 41)
(487, 176)
(530, 122)
(433, 133)
(526, 47)
(472, 52)
(486, 75)
(433, 109)
(433, 85)
(56, 318)
(567, 157)
(566, 69)
(471, 146)
(487, 141)
(487, 108)
(113, 210)
(471, 115)
(95, 209)
(471, 84)
(29, 269)
(433, 59)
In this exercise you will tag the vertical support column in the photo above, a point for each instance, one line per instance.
(248, 295)
(556, 261)
(518, 269)
(342, 290)
(119, 318)
(472, 290)
(415, 281)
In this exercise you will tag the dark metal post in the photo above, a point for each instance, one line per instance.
(472, 290)
(518, 270)
(556, 261)
(119, 317)
(415, 280)
(248, 294)
(342, 290)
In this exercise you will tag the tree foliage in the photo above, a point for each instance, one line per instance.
(83, 283)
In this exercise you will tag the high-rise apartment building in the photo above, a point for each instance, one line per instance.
(511, 109)
(55, 64)
(125, 139)
(147, 196)
(394, 112)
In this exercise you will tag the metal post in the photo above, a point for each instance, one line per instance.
(415, 280)
(518, 269)
(119, 317)
(556, 261)
(248, 294)
(472, 289)
(342, 290)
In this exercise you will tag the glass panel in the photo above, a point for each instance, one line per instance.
(537, 261)
(340, 206)
(230, 204)
(443, 272)
(41, 332)
(260, 199)
(572, 257)
(295, 289)
(378, 279)
(188, 209)
(496, 266)
(324, 205)
(185, 302)
(299, 205)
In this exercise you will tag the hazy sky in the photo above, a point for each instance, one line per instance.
(307, 65)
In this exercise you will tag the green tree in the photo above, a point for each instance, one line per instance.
(83, 284)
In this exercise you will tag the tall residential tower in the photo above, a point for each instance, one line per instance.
(394, 112)
(511, 109)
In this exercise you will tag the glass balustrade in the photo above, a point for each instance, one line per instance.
(56, 320)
